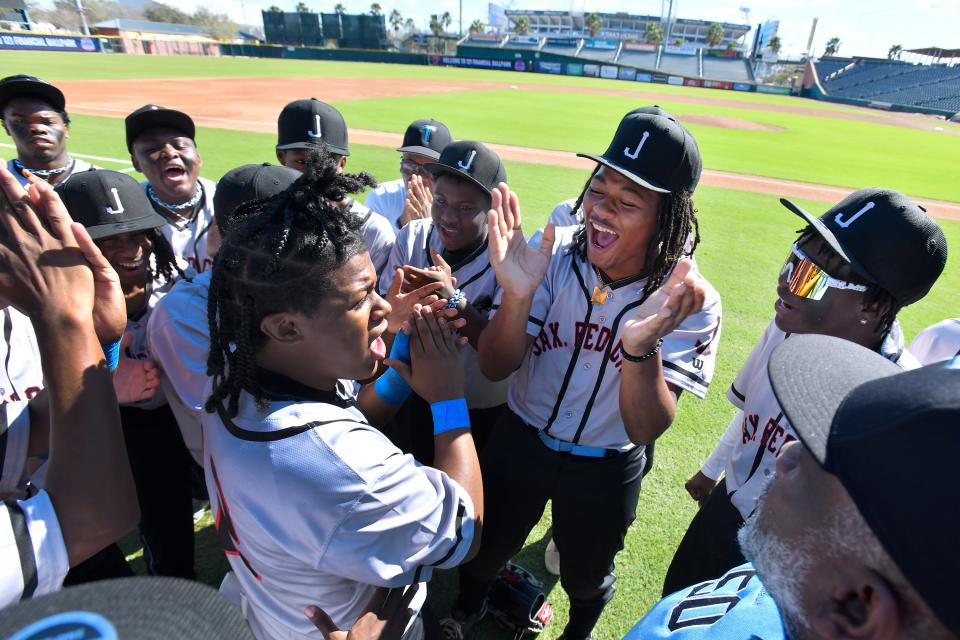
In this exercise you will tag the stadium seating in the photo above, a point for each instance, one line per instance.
(729, 69)
(680, 65)
(600, 55)
(890, 81)
(641, 59)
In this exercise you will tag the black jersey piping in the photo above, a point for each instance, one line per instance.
(21, 536)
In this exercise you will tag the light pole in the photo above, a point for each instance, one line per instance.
(83, 19)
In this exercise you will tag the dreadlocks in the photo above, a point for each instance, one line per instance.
(280, 255)
(164, 258)
(676, 221)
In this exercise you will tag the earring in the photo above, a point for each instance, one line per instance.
(863, 321)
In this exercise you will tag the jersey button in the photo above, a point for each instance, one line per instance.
(586, 366)
(602, 318)
(568, 414)
(610, 296)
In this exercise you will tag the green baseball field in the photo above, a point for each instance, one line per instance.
(755, 148)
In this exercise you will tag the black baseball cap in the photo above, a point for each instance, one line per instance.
(108, 203)
(304, 123)
(886, 238)
(472, 161)
(140, 608)
(151, 116)
(426, 138)
(246, 183)
(652, 149)
(892, 438)
(23, 85)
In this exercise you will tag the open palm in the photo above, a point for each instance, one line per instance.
(519, 267)
(681, 295)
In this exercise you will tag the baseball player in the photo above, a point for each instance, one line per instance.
(937, 343)
(423, 142)
(127, 229)
(178, 330)
(302, 126)
(34, 115)
(606, 333)
(43, 535)
(847, 276)
(313, 505)
(836, 549)
(451, 247)
(162, 145)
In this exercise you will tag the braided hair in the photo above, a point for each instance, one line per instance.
(676, 221)
(280, 255)
(165, 260)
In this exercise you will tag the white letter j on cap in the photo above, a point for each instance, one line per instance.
(636, 152)
(846, 223)
(116, 201)
(466, 167)
(319, 132)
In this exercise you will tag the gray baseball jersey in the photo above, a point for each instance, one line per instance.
(33, 556)
(475, 277)
(564, 216)
(388, 199)
(569, 382)
(21, 378)
(178, 337)
(189, 239)
(937, 343)
(314, 506)
(378, 233)
(754, 441)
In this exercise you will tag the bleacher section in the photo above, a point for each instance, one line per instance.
(482, 41)
(728, 69)
(523, 42)
(895, 82)
(642, 59)
(827, 66)
(680, 65)
(600, 55)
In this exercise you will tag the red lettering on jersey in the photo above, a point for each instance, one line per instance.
(32, 392)
(229, 539)
(579, 330)
(615, 355)
(750, 421)
(770, 432)
(603, 338)
(555, 330)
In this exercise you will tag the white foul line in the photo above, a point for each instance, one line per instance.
(87, 157)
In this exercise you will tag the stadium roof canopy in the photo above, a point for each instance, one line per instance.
(128, 24)
(936, 52)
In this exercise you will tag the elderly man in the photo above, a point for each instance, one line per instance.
(843, 544)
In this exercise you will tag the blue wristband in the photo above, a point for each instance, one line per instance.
(449, 415)
(401, 348)
(112, 353)
(391, 388)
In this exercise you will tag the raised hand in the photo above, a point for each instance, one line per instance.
(44, 274)
(109, 307)
(384, 618)
(440, 272)
(520, 268)
(403, 304)
(419, 201)
(681, 295)
(135, 380)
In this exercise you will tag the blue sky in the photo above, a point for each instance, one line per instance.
(864, 28)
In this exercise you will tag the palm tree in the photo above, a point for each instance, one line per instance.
(774, 44)
(476, 26)
(302, 8)
(715, 35)
(445, 20)
(376, 9)
(410, 25)
(522, 26)
(274, 9)
(339, 9)
(436, 25)
(594, 24)
(833, 45)
(395, 20)
(895, 51)
(653, 33)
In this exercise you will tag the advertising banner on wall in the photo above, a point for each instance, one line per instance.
(693, 82)
(627, 73)
(549, 67)
(477, 63)
(608, 71)
(574, 69)
(592, 70)
(718, 84)
(48, 43)
(675, 80)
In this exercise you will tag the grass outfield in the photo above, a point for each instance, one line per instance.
(746, 237)
(79, 66)
(813, 149)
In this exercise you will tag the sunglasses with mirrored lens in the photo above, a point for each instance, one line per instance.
(806, 280)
